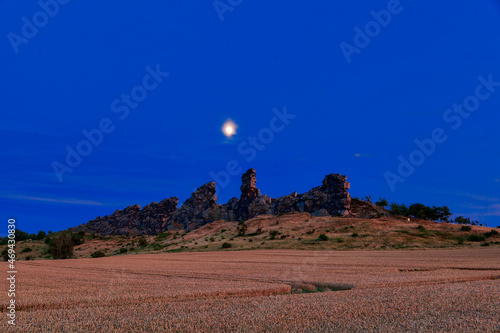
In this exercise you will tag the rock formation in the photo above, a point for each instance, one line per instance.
(201, 208)
(331, 198)
(251, 203)
(132, 220)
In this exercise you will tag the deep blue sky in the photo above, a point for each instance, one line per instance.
(352, 118)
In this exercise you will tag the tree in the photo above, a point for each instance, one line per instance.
(442, 213)
(78, 238)
(41, 235)
(62, 247)
(242, 229)
(143, 242)
(382, 203)
(21, 235)
(398, 209)
(420, 211)
(463, 220)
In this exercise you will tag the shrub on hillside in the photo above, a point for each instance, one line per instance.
(142, 242)
(242, 229)
(78, 238)
(490, 233)
(476, 238)
(5, 254)
(98, 254)
(41, 235)
(62, 247)
(323, 237)
(465, 228)
(382, 203)
(26, 249)
(227, 245)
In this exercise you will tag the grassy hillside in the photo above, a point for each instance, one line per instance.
(290, 231)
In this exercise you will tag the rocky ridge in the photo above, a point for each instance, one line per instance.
(331, 198)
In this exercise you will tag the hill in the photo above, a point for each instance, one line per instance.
(288, 231)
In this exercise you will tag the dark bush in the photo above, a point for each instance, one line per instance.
(398, 209)
(323, 237)
(476, 238)
(242, 229)
(142, 242)
(465, 228)
(156, 246)
(123, 250)
(490, 233)
(26, 249)
(20, 235)
(78, 238)
(5, 254)
(382, 203)
(98, 254)
(41, 235)
(62, 247)
(227, 245)
(354, 234)
(162, 235)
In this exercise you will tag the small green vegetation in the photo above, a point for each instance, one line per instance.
(26, 249)
(323, 237)
(476, 238)
(490, 233)
(162, 235)
(98, 254)
(227, 245)
(156, 246)
(465, 228)
(142, 242)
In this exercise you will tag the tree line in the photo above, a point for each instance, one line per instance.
(421, 211)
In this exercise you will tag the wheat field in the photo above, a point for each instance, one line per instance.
(262, 291)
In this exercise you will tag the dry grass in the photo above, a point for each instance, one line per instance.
(254, 291)
(298, 231)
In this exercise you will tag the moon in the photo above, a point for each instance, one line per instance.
(229, 128)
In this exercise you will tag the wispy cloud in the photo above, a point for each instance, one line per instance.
(493, 210)
(362, 155)
(54, 200)
(479, 197)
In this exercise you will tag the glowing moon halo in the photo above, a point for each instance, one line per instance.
(229, 128)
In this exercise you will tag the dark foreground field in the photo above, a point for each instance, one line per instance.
(263, 290)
